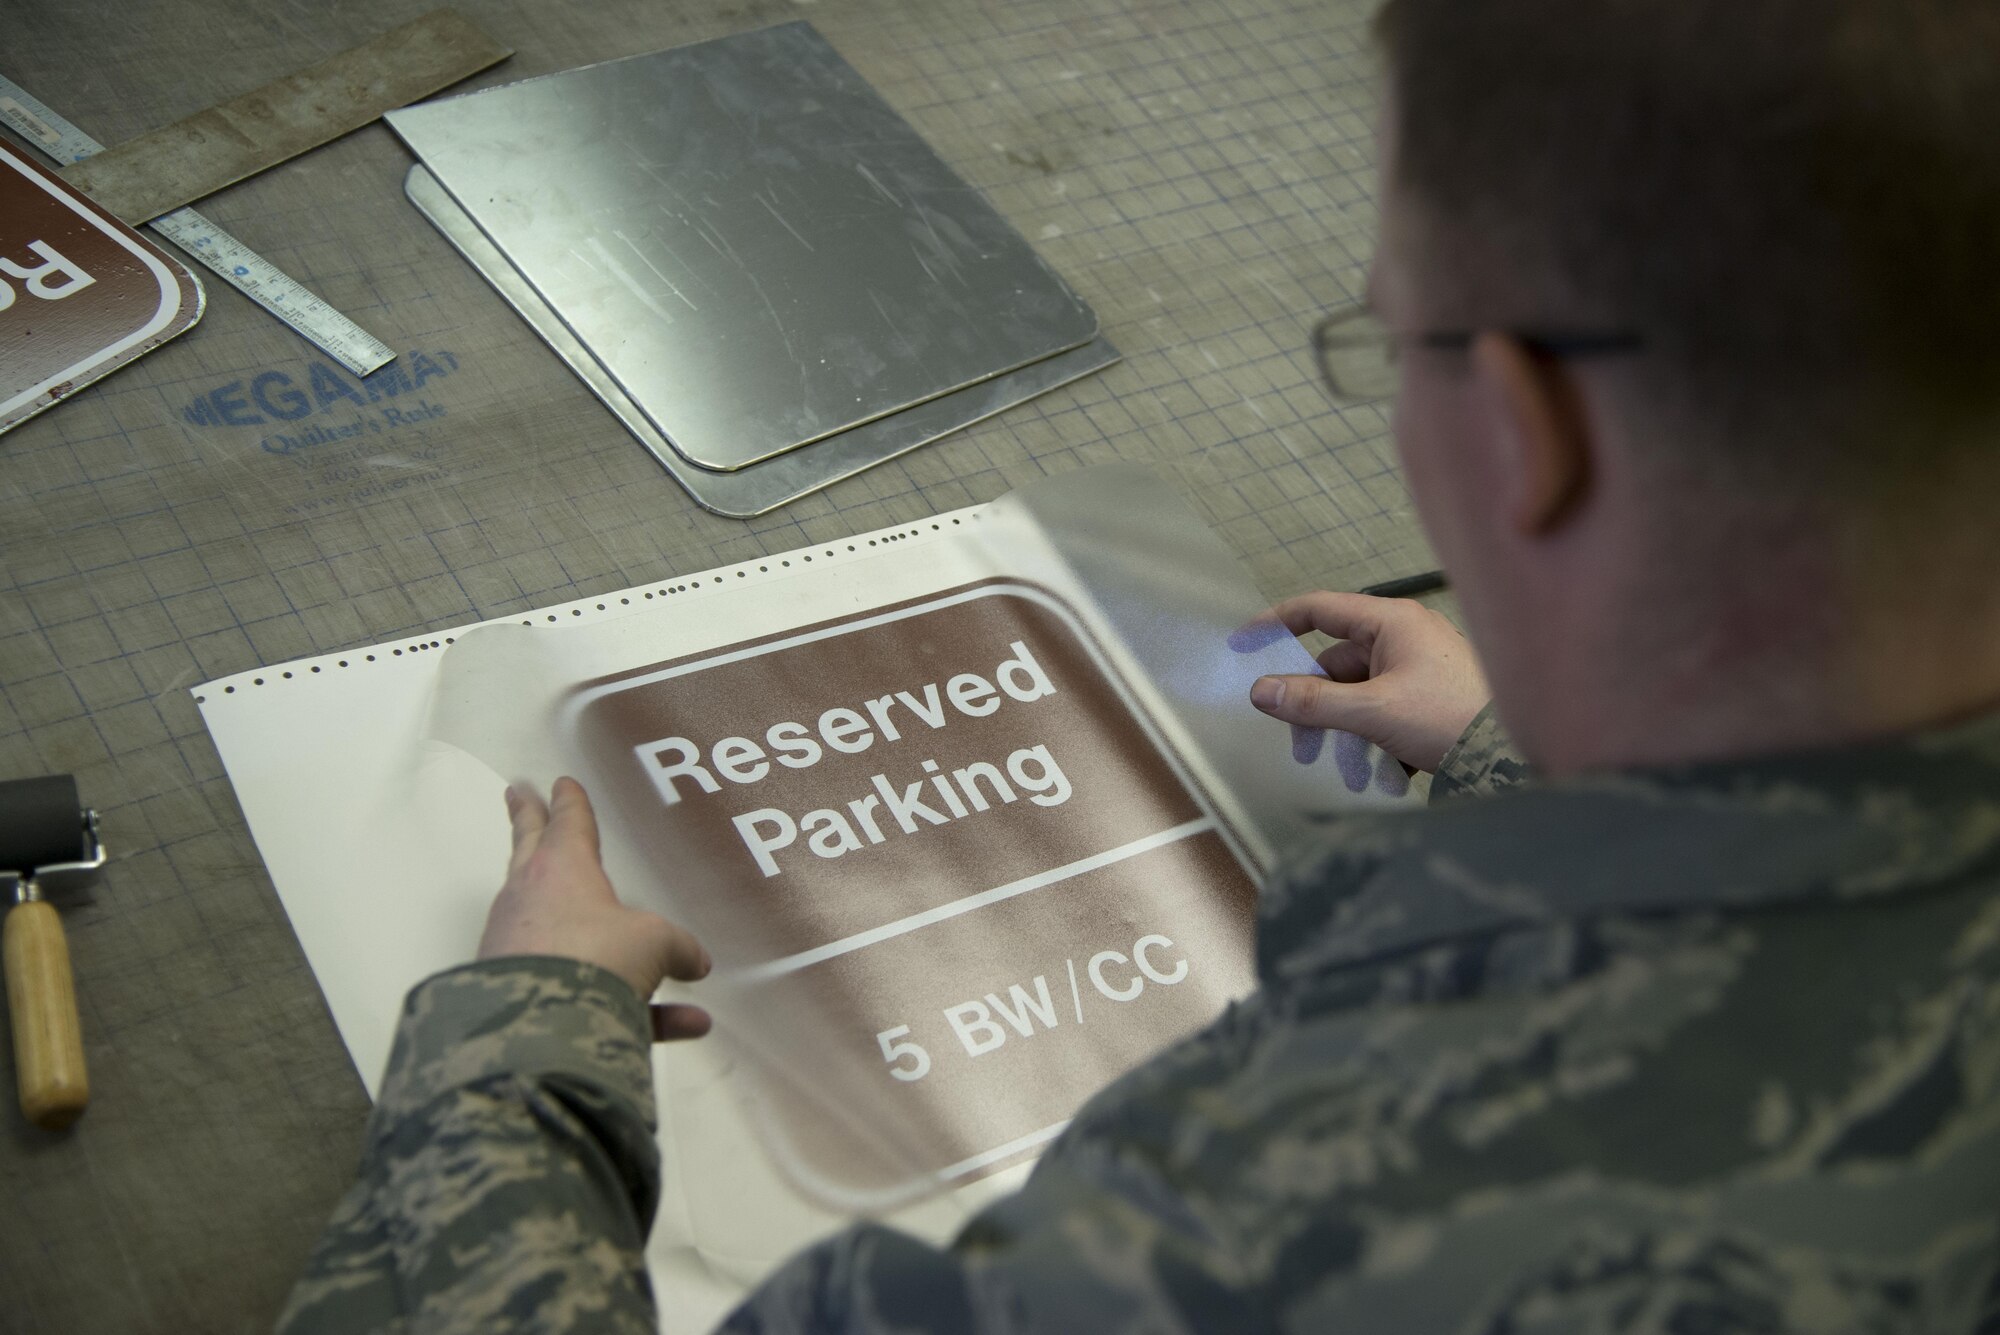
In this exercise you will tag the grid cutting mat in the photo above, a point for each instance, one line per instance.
(1200, 171)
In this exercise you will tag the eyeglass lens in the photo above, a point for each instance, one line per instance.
(1358, 357)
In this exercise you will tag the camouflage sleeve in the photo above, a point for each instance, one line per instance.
(510, 1172)
(1481, 763)
(1783, 1121)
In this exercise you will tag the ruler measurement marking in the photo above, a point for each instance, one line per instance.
(228, 258)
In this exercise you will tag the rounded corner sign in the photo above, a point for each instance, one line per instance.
(81, 293)
(953, 876)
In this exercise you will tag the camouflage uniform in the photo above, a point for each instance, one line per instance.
(1708, 1049)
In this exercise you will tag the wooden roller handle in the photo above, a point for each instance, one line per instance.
(41, 998)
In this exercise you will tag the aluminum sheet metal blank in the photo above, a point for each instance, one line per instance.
(765, 486)
(752, 243)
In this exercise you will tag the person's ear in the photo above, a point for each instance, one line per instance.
(1543, 432)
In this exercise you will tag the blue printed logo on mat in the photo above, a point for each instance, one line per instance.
(275, 397)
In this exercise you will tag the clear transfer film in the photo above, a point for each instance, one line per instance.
(970, 827)
(1181, 609)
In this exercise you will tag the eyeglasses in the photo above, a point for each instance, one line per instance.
(1358, 354)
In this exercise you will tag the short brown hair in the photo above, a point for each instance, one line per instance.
(1796, 203)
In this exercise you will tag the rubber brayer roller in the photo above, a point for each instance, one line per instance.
(48, 844)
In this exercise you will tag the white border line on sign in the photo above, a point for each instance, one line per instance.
(777, 968)
(999, 1152)
(170, 291)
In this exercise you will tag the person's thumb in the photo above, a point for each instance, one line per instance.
(671, 951)
(1315, 702)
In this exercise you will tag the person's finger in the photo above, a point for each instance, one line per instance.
(1344, 616)
(571, 819)
(1315, 702)
(1347, 661)
(676, 952)
(529, 817)
(1260, 632)
(676, 1020)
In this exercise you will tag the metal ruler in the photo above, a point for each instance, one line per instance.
(232, 261)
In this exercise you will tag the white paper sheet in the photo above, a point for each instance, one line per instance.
(386, 846)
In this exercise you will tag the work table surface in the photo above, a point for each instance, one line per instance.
(1201, 172)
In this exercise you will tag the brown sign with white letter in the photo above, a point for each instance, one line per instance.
(953, 877)
(81, 294)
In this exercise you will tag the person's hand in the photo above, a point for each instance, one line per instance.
(1402, 676)
(558, 901)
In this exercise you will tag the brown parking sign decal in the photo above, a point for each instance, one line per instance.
(951, 872)
(81, 294)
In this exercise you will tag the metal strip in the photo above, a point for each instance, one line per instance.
(232, 261)
(154, 173)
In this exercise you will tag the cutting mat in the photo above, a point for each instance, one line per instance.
(1200, 171)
